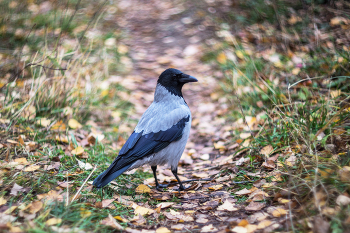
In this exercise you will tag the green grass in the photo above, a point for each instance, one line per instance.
(296, 118)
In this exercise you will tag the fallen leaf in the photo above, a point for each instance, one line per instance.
(243, 223)
(20, 139)
(279, 212)
(142, 189)
(216, 187)
(267, 150)
(78, 151)
(16, 189)
(43, 122)
(202, 220)
(142, 210)
(32, 168)
(268, 164)
(107, 202)
(243, 192)
(35, 206)
(228, 206)
(85, 213)
(74, 124)
(239, 229)
(2, 201)
(21, 161)
(85, 166)
(163, 230)
(255, 206)
(4, 218)
(53, 221)
(165, 204)
(178, 227)
(264, 224)
(209, 228)
(110, 221)
(343, 200)
(59, 126)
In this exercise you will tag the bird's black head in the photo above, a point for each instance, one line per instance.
(173, 80)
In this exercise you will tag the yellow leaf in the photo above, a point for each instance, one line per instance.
(143, 210)
(143, 189)
(74, 124)
(279, 212)
(10, 210)
(267, 150)
(35, 206)
(264, 224)
(20, 139)
(53, 221)
(221, 58)
(240, 54)
(120, 219)
(216, 187)
(296, 71)
(163, 230)
(335, 93)
(2, 201)
(43, 122)
(32, 168)
(21, 161)
(85, 213)
(78, 151)
(59, 126)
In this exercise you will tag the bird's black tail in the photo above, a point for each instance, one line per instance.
(104, 178)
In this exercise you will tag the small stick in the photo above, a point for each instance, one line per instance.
(83, 184)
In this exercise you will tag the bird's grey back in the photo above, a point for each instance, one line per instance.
(165, 111)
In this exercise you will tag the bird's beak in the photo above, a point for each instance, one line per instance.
(185, 78)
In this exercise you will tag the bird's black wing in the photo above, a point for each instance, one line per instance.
(139, 146)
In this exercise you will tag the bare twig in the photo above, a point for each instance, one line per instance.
(83, 184)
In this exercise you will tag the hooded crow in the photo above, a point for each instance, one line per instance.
(160, 136)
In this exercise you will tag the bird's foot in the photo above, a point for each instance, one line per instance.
(180, 188)
(160, 187)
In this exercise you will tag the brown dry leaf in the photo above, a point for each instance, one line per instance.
(32, 168)
(21, 161)
(177, 227)
(20, 139)
(51, 195)
(110, 221)
(344, 173)
(78, 151)
(107, 202)
(279, 212)
(2, 201)
(35, 206)
(221, 58)
(228, 206)
(74, 124)
(10, 210)
(216, 187)
(269, 164)
(283, 201)
(91, 139)
(294, 19)
(142, 189)
(209, 228)
(219, 145)
(202, 220)
(12, 141)
(258, 195)
(255, 206)
(165, 204)
(243, 192)
(53, 221)
(267, 150)
(163, 230)
(16, 189)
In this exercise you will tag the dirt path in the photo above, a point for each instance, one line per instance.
(172, 34)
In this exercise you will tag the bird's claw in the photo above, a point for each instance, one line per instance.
(160, 187)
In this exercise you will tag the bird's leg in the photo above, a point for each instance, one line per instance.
(158, 186)
(174, 171)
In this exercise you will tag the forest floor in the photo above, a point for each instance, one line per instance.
(269, 144)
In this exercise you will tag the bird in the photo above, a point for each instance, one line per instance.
(161, 134)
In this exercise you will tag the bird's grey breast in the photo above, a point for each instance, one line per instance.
(165, 111)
